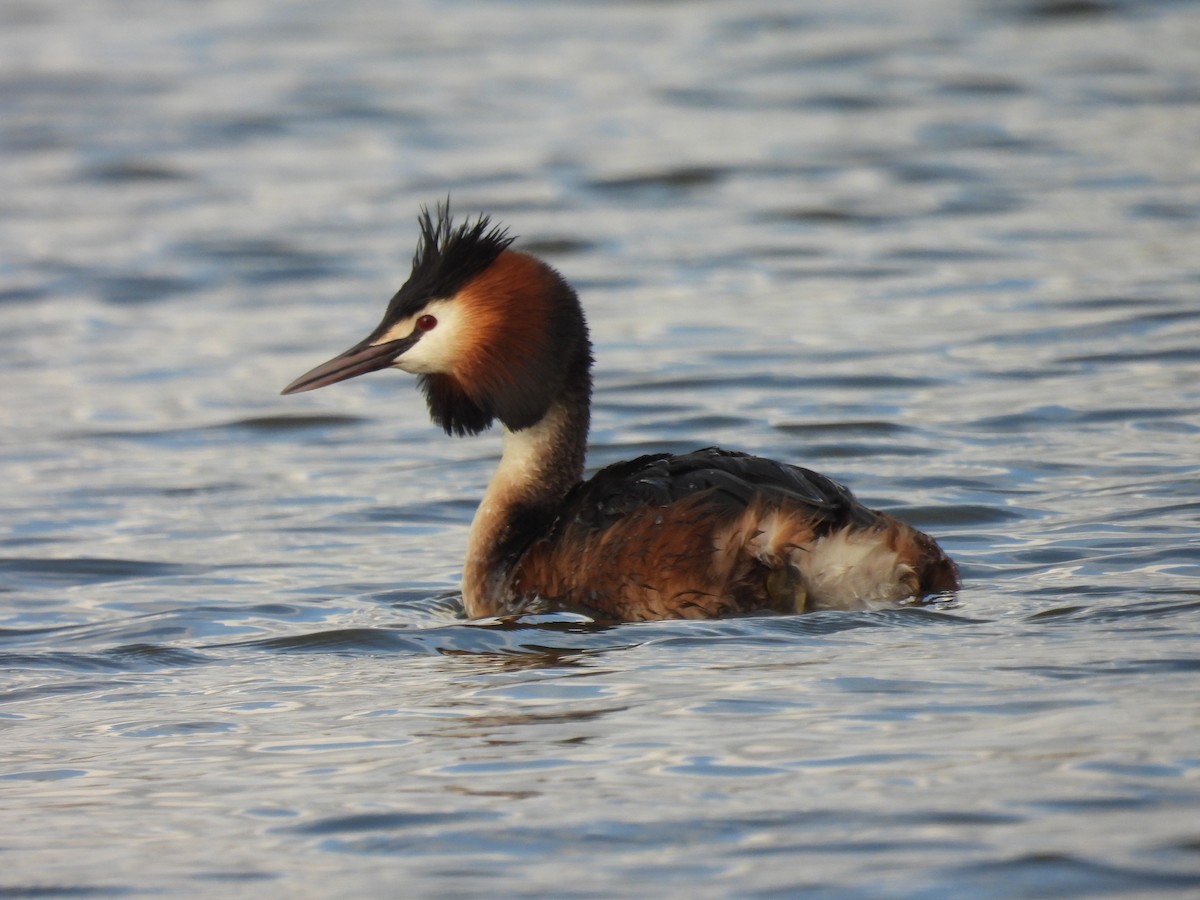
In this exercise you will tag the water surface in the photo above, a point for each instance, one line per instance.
(945, 252)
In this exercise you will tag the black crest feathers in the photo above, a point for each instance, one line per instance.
(446, 258)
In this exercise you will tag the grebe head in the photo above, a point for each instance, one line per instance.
(491, 332)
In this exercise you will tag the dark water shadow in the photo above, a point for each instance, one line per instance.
(44, 572)
(556, 637)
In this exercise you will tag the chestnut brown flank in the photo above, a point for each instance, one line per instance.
(682, 561)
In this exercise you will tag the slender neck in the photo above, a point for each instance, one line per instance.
(538, 466)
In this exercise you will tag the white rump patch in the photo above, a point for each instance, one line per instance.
(852, 569)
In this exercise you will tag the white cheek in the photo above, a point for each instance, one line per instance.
(436, 351)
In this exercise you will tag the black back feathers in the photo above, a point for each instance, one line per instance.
(729, 480)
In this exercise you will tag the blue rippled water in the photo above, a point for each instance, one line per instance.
(943, 251)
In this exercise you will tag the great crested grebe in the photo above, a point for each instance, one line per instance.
(493, 333)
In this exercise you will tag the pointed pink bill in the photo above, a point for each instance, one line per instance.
(358, 360)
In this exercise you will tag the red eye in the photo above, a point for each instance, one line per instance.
(426, 322)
